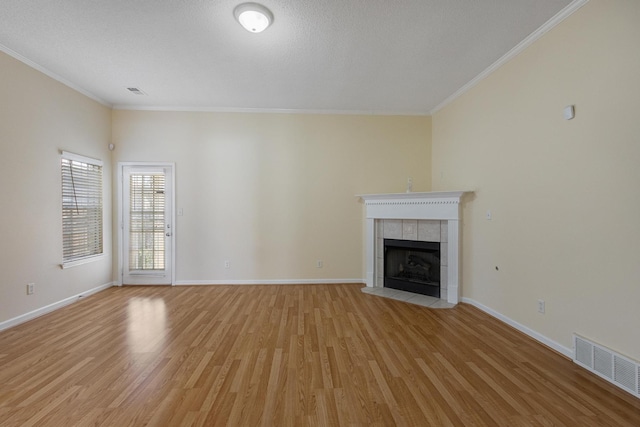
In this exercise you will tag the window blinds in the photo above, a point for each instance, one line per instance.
(81, 207)
(147, 222)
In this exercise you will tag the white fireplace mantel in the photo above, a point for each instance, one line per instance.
(438, 205)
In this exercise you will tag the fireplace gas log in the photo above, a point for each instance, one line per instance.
(412, 266)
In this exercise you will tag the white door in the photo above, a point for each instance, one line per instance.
(147, 225)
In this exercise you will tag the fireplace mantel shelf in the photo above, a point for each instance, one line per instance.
(412, 195)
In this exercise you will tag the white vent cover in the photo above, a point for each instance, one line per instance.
(606, 363)
(625, 373)
(136, 91)
(583, 352)
(603, 362)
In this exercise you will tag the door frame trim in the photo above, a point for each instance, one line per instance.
(120, 218)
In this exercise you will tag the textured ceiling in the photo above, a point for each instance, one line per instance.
(378, 56)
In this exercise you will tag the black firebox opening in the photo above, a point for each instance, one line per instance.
(412, 266)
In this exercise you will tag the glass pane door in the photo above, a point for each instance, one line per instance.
(147, 230)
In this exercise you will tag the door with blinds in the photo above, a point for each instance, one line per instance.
(147, 229)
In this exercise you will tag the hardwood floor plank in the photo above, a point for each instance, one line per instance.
(53, 385)
(454, 405)
(509, 400)
(499, 413)
(291, 355)
(51, 406)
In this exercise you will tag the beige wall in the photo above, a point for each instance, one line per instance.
(274, 193)
(38, 118)
(564, 194)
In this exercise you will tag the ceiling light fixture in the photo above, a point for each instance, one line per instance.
(253, 17)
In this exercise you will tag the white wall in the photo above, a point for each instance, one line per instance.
(564, 194)
(38, 118)
(274, 193)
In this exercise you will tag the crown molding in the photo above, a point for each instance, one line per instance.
(53, 75)
(268, 110)
(550, 24)
(519, 48)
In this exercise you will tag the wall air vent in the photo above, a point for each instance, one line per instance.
(136, 91)
(606, 363)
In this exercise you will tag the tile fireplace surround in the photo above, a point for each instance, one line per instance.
(432, 216)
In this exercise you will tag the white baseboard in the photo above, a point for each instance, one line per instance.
(269, 282)
(51, 307)
(524, 329)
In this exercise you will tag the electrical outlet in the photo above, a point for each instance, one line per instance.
(541, 306)
(319, 264)
(227, 264)
(30, 288)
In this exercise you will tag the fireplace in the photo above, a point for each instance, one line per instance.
(412, 266)
(425, 217)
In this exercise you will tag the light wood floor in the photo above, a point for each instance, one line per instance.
(288, 356)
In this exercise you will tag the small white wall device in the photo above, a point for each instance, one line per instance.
(569, 112)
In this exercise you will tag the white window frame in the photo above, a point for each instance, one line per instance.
(89, 257)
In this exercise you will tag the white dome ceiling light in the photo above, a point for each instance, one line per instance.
(253, 17)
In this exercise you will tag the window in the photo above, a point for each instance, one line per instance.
(81, 208)
(147, 221)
